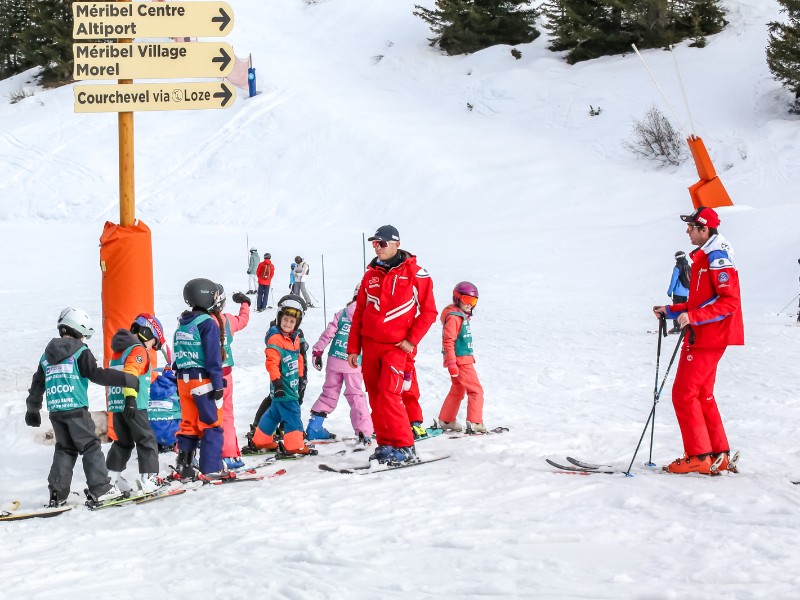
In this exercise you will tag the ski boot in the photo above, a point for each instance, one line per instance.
(149, 483)
(54, 501)
(185, 469)
(233, 462)
(702, 464)
(381, 454)
(418, 430)
(403, 455)
(448, 425)
(726, 462)
(316, 429)
(475, 428)
(118, 480)
(112, 493)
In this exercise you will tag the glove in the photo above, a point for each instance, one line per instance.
(453, 370)
(240, 298)
(277, 389)
(130, 407)
(407, 377)
(302, 388)
(316, 360)
(33, 418)
(216, 395)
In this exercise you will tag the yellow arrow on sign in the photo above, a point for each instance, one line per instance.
(151, 61)
(136, 97)
(110, 20)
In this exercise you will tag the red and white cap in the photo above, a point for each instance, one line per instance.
(706, 217)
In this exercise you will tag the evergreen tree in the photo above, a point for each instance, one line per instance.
(13, 19)
(47, 40)
(783, 51)
(465, 26)
(592, 28)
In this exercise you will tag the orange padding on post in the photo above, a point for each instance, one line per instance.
(126, 265)
(711, 194)
(705, 168)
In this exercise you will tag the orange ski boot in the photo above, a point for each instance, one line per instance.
(726, 462)
(692, 464)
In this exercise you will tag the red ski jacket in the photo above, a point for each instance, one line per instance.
(265, 271)
(714, 305)
(393, 304)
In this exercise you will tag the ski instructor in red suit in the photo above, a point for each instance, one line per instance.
(713, 314)
(394, 310)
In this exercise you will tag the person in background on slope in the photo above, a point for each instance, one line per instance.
(62, 377)
(233, 323)
(284, 365)
(394, 310)
(338, 372)
(130, 354)
(252, 267)
(301, 271)
(460, 362)
(291, 277)
(199, 351)
(678, 289)
(713, 314)
(265, 272)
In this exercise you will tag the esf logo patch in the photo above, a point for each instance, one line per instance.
(722, 277)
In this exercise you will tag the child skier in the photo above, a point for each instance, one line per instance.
(233, 323)
(337, 372)
(199, 352)
(130, 354)
(63, 376)
(679, 284)
(459, 360)
(285, 366)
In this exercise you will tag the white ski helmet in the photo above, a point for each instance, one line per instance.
(77, 320)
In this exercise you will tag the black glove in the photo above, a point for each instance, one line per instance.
(240, 298)
(302, 388)
(216, 395)
(33, 418)
(130, 408)
(316, 360)
(277, 388)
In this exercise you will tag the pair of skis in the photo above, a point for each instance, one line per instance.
(369, 470)
(587, 468)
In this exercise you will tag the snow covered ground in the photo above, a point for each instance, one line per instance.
(570, 240)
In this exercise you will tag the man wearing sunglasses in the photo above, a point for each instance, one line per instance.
(713, 314)
(394, 310)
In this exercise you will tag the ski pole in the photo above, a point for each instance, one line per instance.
(324, 295)
(662, 333)
(655, 400)
(787, 306)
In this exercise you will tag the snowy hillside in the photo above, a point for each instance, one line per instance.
(568, 237)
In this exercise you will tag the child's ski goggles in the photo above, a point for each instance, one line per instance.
(468, 300)
(292, 312)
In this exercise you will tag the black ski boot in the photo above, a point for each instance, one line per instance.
(54, 501)
(184, 468)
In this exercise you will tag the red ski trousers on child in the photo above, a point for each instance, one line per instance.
(695, 406)
(466, 383)
(382, 366)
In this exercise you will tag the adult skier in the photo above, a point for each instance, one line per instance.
(265, 272)
(301, 271)
(394, 310)
(252, 266)
(713, 316)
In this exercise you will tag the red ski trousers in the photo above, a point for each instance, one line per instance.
(382, 366)
(695, 406)
(466, 383)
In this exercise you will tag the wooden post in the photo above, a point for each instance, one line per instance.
(127, 190)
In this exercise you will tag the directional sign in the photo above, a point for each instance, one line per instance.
(151, 61)
(111, 20)
(152, 96)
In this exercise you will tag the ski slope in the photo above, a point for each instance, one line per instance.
(568, 237)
